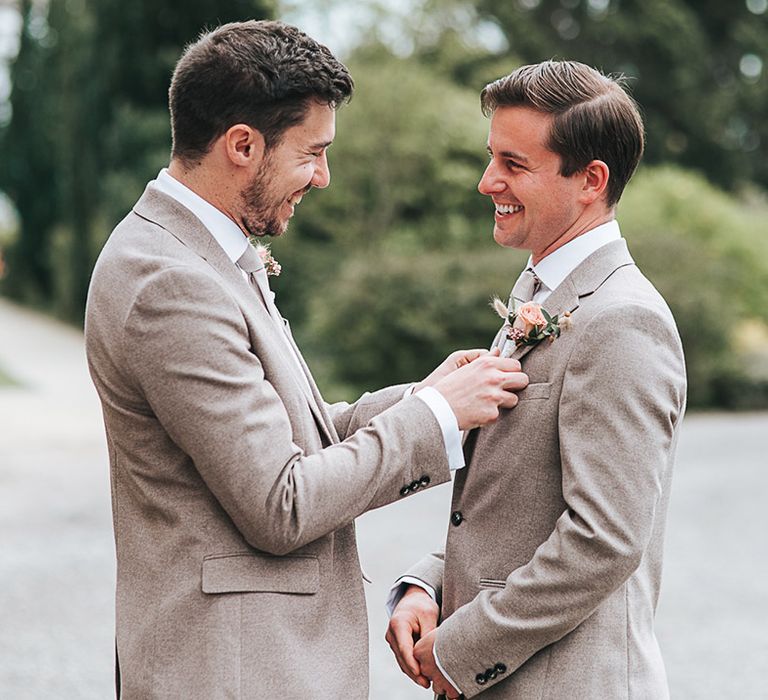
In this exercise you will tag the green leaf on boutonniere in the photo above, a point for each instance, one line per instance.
(547, 316)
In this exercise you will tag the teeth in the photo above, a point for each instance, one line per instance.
(508, 208)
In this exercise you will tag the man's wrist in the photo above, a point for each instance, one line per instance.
(449, 425)
(397, 591)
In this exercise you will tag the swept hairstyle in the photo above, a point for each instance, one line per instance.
(594, 117)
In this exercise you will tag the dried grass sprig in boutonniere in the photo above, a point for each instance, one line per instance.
(272, 267)
(530, 323)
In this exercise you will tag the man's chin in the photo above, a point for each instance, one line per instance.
(506, 239)
(268, 229)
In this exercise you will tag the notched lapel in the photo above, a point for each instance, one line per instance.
(583, 281)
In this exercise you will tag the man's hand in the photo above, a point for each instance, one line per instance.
(456, 359)
(424, 653)
(413, 617)
(476, 390)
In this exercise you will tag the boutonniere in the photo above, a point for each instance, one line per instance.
(271, 265)
(529, 323)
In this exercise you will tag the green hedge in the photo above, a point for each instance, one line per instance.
(380, 316)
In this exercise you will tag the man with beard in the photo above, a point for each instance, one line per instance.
(234, 485)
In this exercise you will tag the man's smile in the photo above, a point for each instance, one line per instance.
(504, 211)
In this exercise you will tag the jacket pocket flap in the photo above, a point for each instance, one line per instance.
(535, 391)
(251, 573)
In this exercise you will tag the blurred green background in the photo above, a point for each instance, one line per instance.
(392, 267)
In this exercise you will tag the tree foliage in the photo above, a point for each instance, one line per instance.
(705, 250)
(392, 267)
(696, 67)
(89, 127)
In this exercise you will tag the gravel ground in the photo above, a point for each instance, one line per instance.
(57, 554)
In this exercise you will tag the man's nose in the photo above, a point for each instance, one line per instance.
(322, 177)
(490, 183)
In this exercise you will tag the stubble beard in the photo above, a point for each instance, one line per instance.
(260, 216)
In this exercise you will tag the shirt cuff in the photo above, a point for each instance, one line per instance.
(398, 590)
(448, 425)
(442, 670)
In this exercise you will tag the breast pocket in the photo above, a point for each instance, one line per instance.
(534, 392)
(246, 572)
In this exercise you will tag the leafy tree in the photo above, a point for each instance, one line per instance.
(696, 68)
(89, 128)
(705, 250)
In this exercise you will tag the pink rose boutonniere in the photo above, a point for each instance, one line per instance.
(271, 265)
(529, 323)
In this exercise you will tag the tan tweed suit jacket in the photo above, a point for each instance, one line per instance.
(550, 576)
(234, 486)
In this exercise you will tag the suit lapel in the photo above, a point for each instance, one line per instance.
(582, 282)
(183, 225)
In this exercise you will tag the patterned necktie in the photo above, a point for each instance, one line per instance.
(252, 264)
(525, 288)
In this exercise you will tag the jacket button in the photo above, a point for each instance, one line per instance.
(490, 673)
(405, 490)
(480, 679)
(501, 668)
(424, 481)
(457, 518)
(415, 485)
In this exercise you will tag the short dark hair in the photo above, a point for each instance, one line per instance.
(260, 73)
(594, 117)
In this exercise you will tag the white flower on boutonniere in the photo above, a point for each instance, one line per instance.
(530, 323)
(272, 267)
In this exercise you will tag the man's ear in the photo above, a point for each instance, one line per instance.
(244, 145)
(596, 175)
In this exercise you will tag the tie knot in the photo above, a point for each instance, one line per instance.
(526, 286)
(250, 261)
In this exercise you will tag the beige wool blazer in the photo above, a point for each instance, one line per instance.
(550, 576)
(234, 485)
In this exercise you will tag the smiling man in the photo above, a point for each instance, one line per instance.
(234, 485)
(548, 583)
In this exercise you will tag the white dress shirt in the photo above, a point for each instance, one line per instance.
(551, 271)
(233, 241)
(554, 268)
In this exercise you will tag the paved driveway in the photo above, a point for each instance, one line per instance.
(56, 550)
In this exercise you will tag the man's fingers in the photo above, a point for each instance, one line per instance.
(400, 638)
(514, 381)
(509, 364)
(416, 678)
(467, 356)
(509, 400)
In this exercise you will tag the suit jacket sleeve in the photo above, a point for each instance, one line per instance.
(430, 570)
(349, 418)
(622, 397)
(206, 386)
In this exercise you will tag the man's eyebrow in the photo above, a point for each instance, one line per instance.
(511, 155)
(319, 146)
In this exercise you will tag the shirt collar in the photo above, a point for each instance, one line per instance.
(225, 231)
(556, 266)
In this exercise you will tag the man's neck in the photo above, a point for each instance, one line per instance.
(205, 185)
(579, 229)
